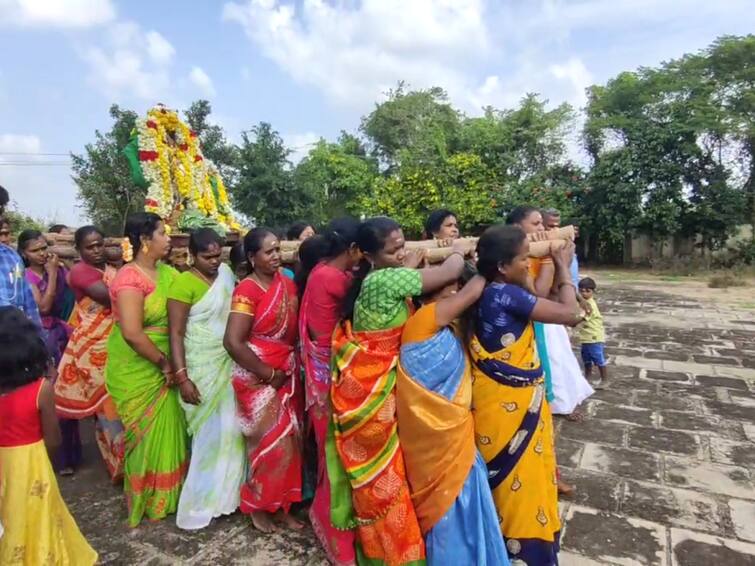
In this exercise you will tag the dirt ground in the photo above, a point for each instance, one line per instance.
(664, 464)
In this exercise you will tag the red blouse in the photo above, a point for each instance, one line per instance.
(326, 289)
(20, 423)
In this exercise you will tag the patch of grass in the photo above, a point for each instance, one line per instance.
(726, 280)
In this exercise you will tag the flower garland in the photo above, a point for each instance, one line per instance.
(177, 172)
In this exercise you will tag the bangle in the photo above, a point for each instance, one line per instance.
(569, 283)
(184, 380)
(182, 370)
(272, 374)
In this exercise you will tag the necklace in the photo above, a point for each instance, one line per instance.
(202, 277)
(258, 281)
(151, 277)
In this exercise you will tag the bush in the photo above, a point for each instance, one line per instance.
(726, 280)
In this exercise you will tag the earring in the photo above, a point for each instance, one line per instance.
(145, 248)
(189, 260)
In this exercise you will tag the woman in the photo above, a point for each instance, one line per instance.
(442, 225)
(199, 303)
(4, 231)
(567, 387)
(368, 481)
(80, 390)
(300, 231)
(324, 289)
(139, 376)
(447, 475)
(513, 423)
(47, 278)
(260, 337)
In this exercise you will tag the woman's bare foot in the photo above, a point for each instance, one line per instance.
(576, 417)
(565, 489)
(289, 520)
(262, 522)
(68, 471)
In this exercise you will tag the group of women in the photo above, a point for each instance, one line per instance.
(422, 387)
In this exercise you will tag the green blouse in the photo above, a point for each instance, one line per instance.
(382, 300)
(188, 288)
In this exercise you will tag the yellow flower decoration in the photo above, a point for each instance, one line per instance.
(127, 250)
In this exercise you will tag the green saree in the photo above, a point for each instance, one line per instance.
(155, 437)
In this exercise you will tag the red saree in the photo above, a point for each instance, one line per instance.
(270, 418)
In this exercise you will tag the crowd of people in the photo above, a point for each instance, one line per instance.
(408, 405)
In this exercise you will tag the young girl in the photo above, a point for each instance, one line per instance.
(38, 527)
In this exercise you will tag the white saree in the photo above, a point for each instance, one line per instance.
(218, 457)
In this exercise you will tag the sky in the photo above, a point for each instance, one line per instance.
(309, 67)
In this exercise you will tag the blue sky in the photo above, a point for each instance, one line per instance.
(310, 67)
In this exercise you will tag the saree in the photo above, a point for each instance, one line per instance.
(329, 288)
(217, 468)
(447, 475)
(270, 418)
(369, 488)
(513, 425)
(56, 333)
(80, 390)
(155, 427)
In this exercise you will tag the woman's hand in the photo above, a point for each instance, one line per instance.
(563, 256)
(167, 371)
(189, 392)
(52, 265)
(414, 258)
(279, 379)
(463, 247)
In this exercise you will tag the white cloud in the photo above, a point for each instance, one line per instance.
(202, 81)
(133, 63)
(56, 13)
(355, 52)
(481, 51)
(18, 143)
(160, 50)
(300, 144)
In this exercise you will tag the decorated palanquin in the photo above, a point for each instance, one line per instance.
(183, 187)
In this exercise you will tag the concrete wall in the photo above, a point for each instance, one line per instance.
(642, 249)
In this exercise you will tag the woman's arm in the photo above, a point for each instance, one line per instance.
(45, 301)
(131, 308)
(433, 278)
(178, 315)
(50, 426)
(99, 293)
(237, 329)
(565, 311)
(448, 310)
(544, 281)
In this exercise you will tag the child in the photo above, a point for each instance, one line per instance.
(38, 527)
(592, 334)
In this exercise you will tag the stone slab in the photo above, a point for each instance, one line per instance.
(594, 489)
(629, 415)
(607, 433)
(709, 478)
(720, 381)
(614, 539)
(733, 453)
(660, 440)
(743, 518)
(687, 367)
(677, 376)
(690, 548)
(673, 507)
(568, 452)
(622, 462)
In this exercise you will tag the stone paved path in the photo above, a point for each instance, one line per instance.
(664, 464)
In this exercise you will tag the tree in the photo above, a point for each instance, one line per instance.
(334, 176)
(103, 176)
(214, 144)
(265, 190)
(419, 124)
